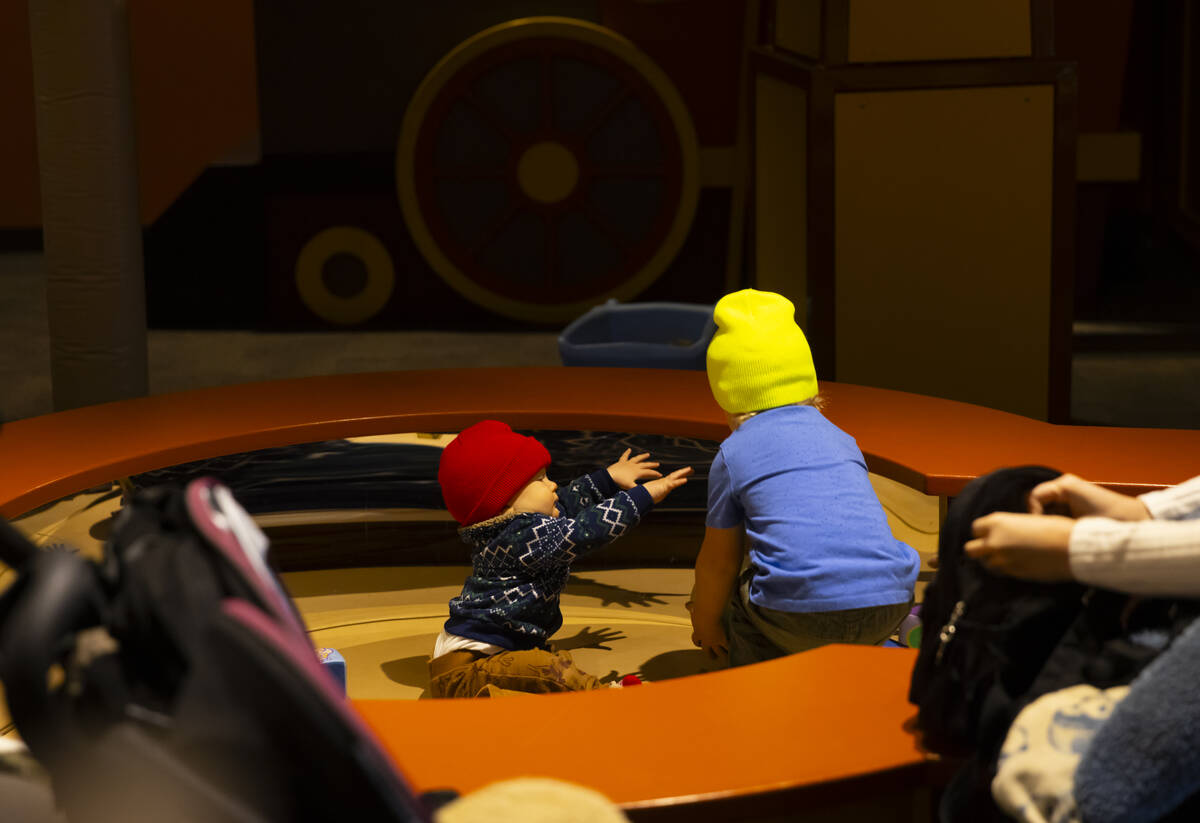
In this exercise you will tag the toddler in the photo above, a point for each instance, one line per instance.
(790, 489)
(524, 532)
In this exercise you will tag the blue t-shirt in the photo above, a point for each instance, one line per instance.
(819, 540)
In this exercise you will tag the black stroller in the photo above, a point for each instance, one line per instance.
(174, 680)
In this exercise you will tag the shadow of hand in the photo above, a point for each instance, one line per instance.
(588, 639)
(615, 595)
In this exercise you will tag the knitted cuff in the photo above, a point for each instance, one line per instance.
(641, 498)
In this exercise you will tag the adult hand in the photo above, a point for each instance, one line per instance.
(627, 471)
(710, 637)
(1032, 546)
(663, 486)
(1085, 499)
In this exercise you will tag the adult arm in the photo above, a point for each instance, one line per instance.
(1084, 499)
(1118, 542)
(1181, 502)
(1159, 556)
(1148, 557)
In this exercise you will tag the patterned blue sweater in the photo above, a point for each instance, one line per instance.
(520, 562)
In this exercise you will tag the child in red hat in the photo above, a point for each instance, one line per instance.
(524, 532)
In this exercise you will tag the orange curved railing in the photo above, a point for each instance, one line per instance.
(932, 445)
(833, 720)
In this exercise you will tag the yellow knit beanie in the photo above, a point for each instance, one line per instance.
(758, 359)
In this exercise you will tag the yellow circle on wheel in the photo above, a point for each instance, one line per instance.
(567, 29)
(310, 280)
(547, 172)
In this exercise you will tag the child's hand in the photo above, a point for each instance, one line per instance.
(663, 486)
(627, 471)
(711, 638)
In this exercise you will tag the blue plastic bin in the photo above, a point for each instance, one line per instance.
(639, 335)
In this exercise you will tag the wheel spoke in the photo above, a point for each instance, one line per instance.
(489, 113)
(550, 222)
(606, 228)
(469, 174)
(493, 229)
(604, 112)
(627, 171)
(546, 92)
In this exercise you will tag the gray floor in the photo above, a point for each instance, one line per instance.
(1154, 389)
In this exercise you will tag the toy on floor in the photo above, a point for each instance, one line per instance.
(910, 628)
(335, 664)
(908, 633)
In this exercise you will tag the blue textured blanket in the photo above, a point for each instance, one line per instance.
(1145, 761)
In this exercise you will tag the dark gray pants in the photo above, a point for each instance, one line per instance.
(756, 633)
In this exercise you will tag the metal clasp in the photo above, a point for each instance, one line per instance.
(949, 630)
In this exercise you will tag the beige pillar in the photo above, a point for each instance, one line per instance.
(91, 228)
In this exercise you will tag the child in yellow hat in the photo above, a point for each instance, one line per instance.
(790, 489)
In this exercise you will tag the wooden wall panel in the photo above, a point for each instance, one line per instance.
(781, 190)
(885, 31)
(943, 242)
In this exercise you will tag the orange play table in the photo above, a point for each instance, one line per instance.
(827, 729)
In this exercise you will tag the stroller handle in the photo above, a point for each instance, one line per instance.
(15, 548)
(59, 598)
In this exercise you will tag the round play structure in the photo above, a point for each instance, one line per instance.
(545, 164)
(839, 715)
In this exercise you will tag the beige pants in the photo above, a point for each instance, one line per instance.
(507, 673)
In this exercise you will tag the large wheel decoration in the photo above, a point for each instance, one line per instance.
(546, 165)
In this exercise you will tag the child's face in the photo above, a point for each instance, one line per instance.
(537, 496)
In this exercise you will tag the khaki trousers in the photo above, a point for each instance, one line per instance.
(508, 673)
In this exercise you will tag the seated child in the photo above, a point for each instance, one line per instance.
(524, 534)
(792, 489)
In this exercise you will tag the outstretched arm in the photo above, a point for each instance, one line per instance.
(584, 492)
(559, 540)
(592, 489)
(607, 520)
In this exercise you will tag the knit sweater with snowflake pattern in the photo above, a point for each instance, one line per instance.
(520, 562)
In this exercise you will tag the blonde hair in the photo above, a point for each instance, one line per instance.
(817, 401)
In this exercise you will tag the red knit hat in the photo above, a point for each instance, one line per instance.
(484, 467)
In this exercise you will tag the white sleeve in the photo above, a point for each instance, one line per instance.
(1181, 502)
(1150, 557)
